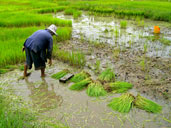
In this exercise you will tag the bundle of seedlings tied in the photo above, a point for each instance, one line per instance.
(107, 76)
(148, 105)
(120, 87)
(60, 74)
(123, 103)
(81, 85)
(95, 89)
(80, 76)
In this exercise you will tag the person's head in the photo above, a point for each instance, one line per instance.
(52, 29)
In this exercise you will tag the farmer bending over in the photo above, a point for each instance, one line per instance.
(38, 47)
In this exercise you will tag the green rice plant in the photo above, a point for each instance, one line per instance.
(60, 74)
(12, 40)
(123, 103)
(165, 41)
(123, 24)
(22, 19)
(145, 47)
(107, 75)
(120, 86)
(77, 14)
(97, 66)
(73, 58)
(64, 33)
(95, 89)
(146, 104)
(48, 10)
(116, 32)
(80, 85)
(2, 71)
(69, 11)
(80, 76)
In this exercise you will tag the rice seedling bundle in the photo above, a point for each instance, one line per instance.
(120, 85)
(123, 103)
(80, 76)
(60, 74)
(95, 89)
(107, 76)
(146, 104)
(80, 85)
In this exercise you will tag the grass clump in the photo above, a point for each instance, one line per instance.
(123, 24)
(107, 76)
(80, 76)
(147, 105)
(80, 85)
(60, 74)
(95, 89)
(123, 103)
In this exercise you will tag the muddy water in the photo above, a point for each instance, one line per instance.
(103, 29)
(77, 110)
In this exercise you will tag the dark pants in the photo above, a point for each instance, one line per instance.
(32, 57)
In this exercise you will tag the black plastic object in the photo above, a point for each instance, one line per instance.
(66, 78)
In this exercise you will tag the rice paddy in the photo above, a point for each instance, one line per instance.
(92, 36)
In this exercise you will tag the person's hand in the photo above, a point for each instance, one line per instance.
(23, 48)
(50, 62)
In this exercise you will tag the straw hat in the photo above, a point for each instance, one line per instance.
(53, 29)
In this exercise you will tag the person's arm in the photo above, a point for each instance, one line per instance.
(23, 48)
(49, 51)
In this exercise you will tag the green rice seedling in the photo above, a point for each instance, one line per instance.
(23, 19)
(147, 105)
(107, 76)
(80, 76)
(123, 103)
(2, 71)
(95, 89)
(60, 74)
(54, 10)
(80, 85)
(165, 41)
(69, 11)
(145, 48)
(123, 24)
(77, 14)
(116, 32)
(97, 66)
(120, 85)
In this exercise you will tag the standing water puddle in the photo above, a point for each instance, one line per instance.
(107, 30)
(75, 108)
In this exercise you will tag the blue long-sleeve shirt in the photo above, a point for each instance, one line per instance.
(40, 41)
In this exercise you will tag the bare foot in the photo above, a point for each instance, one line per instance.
(43, 75)
(26, 75)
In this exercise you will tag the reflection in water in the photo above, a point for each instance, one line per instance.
(42, 97)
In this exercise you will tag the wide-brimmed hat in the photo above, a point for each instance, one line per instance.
(53, 29)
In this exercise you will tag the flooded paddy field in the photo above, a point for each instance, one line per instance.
(148, 70)
(134, 53)
(76, 108)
